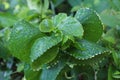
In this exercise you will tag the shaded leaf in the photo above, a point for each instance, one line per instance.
(85, 72)
(5, 75)
(92, 25)
(74, 3)
(3, 51)
(57, 2)
(30, 74)
(45, 58)
(110, 18)
(52, 72)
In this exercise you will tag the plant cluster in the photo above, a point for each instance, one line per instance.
(38, 44)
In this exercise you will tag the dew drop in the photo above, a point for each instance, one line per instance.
(18, 29)
(32, 60)
(48, 67)
(34, 70)
(38, 69)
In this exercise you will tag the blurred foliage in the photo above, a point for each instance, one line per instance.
(35, 11)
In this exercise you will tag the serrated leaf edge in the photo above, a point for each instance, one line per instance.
(92, 56)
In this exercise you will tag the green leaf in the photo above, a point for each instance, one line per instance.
(90, 50)
(24, 12)
(35, 5)
(41, 45)
(90, 61)
(7, 20)
(46, 26)
(92, 25)
(57, 2)
(30, 74)
(110, 18)
(71, 27)
(58, 18)
(21, 38)
(110, 72)
(111, 35)
(116, 3)
(46, 5)
(74, 3)
(116, 75)
(68, 25)
(115, 57)
(45, 58)
(52, 72)
(20, 67)
(3, 51)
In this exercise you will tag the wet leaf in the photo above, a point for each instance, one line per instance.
(91, 22)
